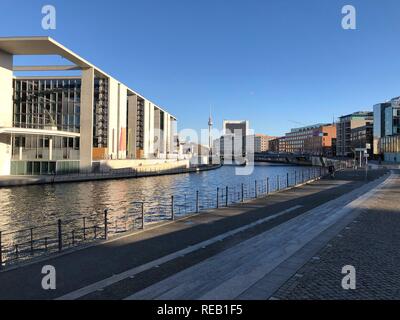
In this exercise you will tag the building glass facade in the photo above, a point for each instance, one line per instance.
(46, 104)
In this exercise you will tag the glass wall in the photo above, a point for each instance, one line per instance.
(30, 147)
(52, 104)
(35, 168)
(390, 144)
(46, 104)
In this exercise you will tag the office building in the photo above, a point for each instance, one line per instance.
(314, 139)
(322, 141)
(261, 143)
(362, 137)
(277, 145)
(233, 143)
(73, 122)
(347, 123)
(387, 130)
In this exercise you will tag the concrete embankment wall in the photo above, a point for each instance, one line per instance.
(109, 165)
(145, 171)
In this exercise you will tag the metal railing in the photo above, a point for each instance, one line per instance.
(22, 245)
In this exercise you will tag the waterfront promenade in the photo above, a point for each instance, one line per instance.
(246, 251)
(370, 243)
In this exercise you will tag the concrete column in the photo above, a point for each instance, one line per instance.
(51, 149)
(166, 133)
(146, 133)
(6, 110)
(151, 130)
(122, 121)
(87, 101)
(132, 122)
(157, 140)
(113, 109)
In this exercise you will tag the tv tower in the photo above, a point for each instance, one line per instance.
(210, 124)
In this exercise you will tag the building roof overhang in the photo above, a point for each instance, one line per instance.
(38, 132)
(48, 46)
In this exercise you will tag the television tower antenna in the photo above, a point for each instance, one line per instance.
(210, 124)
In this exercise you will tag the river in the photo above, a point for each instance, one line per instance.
(31, 206)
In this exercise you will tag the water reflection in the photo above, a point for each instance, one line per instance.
(24, 207)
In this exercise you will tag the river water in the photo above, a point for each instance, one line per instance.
(31, 206)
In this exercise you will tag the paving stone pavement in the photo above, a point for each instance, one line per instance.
(370, 243)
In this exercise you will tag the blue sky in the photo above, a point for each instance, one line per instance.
(278, 64)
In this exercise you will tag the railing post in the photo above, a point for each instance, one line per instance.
(267, 186)
(105, 224)
(302, 176)
(197, 202)
(295, 178)
(84, 228)
(31, 242)
(1, 252)
(287, 180)
(242, 192)
(142, 215)
(278, 183)
(217, 198)
(172, 209)
(226, 199)
(59, 235)
(255, 189)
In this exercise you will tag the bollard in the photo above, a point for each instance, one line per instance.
(197, 201)
(302, 176)
(277, 183)
(31, 242)
(287, 180)
(242, 192)
(59, 235)
(172, 209)
(95, 231)
(73, 237)
(217, 198)
(226, 198)
(45, 244)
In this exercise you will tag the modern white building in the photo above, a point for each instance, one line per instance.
(61, 124)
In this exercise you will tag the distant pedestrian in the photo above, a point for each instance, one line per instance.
(332, 171)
